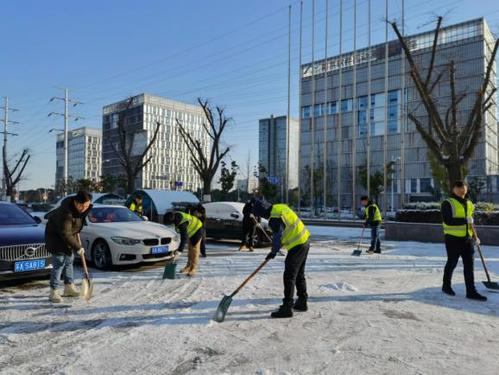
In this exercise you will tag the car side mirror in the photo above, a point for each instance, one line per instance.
(145, 218)
(234, 215)
(37, 219)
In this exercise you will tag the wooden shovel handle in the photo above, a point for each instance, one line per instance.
(83, 261)
(250, 277)
(259, 226)
(481, 255)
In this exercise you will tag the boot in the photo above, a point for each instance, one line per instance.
(476, 296)
(70, 291)
(284, 311)
(186, 269)
(250, 249)
(242, 247)
(191, 273)
(448, 290)
(301, 303)
(54, 296)
(370, 251)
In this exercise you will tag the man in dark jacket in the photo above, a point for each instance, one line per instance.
(62, 238)
(457, 214)
(191, 233)
(249, 227)
(288, 232)
(373, 220)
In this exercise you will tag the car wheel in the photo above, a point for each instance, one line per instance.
(101, 255)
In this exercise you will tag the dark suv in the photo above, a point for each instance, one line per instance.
(22, 244)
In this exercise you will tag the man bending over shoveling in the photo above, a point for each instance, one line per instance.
(289, 232)
(191, 233)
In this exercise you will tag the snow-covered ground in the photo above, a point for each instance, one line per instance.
(368, 315)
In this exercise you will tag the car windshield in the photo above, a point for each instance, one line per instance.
(10, 214)
(112, 215)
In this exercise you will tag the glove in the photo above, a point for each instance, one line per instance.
(469, 220)
(81, 252)
(270, 255)
(477, 241)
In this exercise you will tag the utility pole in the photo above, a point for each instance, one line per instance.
(6, 122)
(66, 116)
(326, 105)
(289, 107)
(300, 74)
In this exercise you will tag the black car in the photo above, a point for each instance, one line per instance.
(22, 244)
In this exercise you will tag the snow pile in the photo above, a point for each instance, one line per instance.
(368, 315)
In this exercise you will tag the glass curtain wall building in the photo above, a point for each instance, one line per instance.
(468, 44)
(170, 167)
(84, 154)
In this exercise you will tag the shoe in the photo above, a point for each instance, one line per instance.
(370, 251)
(301, 304)
(185, 269)
(448, 290)
(250, 249)
(191, 273)
(476, 296)
(54, 296)
(284, 311)
(242, 248)
(70, 291)
(377, 252)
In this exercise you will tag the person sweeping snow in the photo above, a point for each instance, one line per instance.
(289, 232)
(62, 238)
(373, 220)
(191, 233)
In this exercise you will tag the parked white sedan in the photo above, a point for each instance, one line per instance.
(114, 235)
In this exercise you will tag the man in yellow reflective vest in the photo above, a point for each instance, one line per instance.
(191, 233)
(457, 214)
(290, 233)
(136, 205)
(373, 219)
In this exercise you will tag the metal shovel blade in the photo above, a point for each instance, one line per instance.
(223, 306)
(491, 285)
(87, 288)
(170, 270)
(357, 253)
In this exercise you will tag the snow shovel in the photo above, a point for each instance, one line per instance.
(87, 286)
(358, 251)
(170, 269)
(489, 284)
(224, 304)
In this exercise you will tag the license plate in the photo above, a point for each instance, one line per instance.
(159, 250)
(29, 265)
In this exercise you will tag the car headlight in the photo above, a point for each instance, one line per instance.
(125, 241)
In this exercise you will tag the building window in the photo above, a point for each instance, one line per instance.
(305, 112)
(425, 185)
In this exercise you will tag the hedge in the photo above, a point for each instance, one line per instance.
(434, 216)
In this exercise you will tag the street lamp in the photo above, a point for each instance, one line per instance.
(394, 163)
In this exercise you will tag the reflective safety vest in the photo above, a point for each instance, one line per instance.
(138, 209)
(295, 233)
(194, 223)
(377, 213)
(458, 212)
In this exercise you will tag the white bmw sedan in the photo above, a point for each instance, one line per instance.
(114, 235)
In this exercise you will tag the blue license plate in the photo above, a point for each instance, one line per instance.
(159, 250)
(29, 265)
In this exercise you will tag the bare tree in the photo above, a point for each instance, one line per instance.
(13, 175)
(450, 139)
(132, 164)
(206, 165)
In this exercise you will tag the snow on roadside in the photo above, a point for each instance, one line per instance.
(368, 314)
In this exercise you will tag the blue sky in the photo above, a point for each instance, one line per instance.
(233, 52)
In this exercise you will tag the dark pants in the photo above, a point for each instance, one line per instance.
(460, 247)
(203, 243)
(249, 228)
(294, 273)
(375, 243)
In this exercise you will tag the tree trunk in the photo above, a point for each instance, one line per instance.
(455, 171)
(130, 184)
